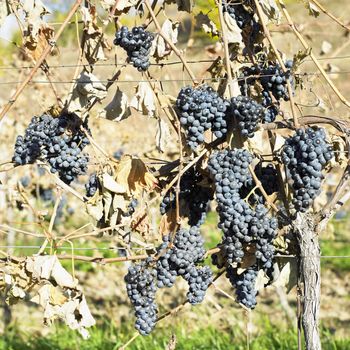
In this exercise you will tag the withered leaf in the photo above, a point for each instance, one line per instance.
(168, 222)
(160, 47)
(204, 22)
(87, 89)
(35, 45)
(118, 109)
(232, 31)
(144, 99)
(133, 174)
(163, 135)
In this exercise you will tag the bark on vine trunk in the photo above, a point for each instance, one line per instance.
(310, 270)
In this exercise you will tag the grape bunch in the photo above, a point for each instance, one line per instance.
(274, 80)
(198, 280)
(248, 114)
(274, 83)
(180, 258)
(305, 154)
(137, 43)
(92, 185)
(240, 223)
(141, 288)
(244, 285)
(200, 109)
(192, 196)
(58, 141)
(231, 173)
(237, 12)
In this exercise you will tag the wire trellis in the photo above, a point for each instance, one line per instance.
(76, 81)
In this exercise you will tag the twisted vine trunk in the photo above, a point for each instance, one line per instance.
(310, 273)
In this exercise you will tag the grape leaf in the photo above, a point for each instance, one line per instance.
(144, 99)
(133, 174)
(34, 46)
(232, 31)
(94, 41)
(313, 9)
(160, 48)
(271, 10)
(86, 90)
(118, 109)
(49, 285)
(204, 22)
(168, 222)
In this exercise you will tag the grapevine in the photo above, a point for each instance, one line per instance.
(228, 138)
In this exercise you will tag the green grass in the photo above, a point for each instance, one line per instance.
(110, 338)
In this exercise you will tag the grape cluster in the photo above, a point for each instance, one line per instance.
(198, 280)
(59, 141)
(141, 288)
(230, 172)
(201, 109)
(274, 83)
(274, 80)
(244, 284)
(305, 154)
(240, 223)
(248, 114)
(137, 43)
(179, 258)
(92, 185)
(237, 12)
(192, 196)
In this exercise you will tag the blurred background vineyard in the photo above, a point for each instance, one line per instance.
(218, 323)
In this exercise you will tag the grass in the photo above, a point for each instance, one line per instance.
(110, 338)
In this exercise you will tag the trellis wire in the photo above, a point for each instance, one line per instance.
(9, 67)
(141, 248)
(76, 81)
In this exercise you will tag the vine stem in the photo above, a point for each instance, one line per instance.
(170, 43)
(279, 59)
(312, 56)
(42, 58)
(327, 13)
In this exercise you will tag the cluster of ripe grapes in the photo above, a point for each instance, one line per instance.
(176, 256)
(274, 83)
(137, 43)
(57, 141)
(241, 223)
(305, 155)
(201, 109)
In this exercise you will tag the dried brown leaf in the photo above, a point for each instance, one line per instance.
(144, 100)
(118, 109)
(160, 48)
(168, 222)
(35, 45)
